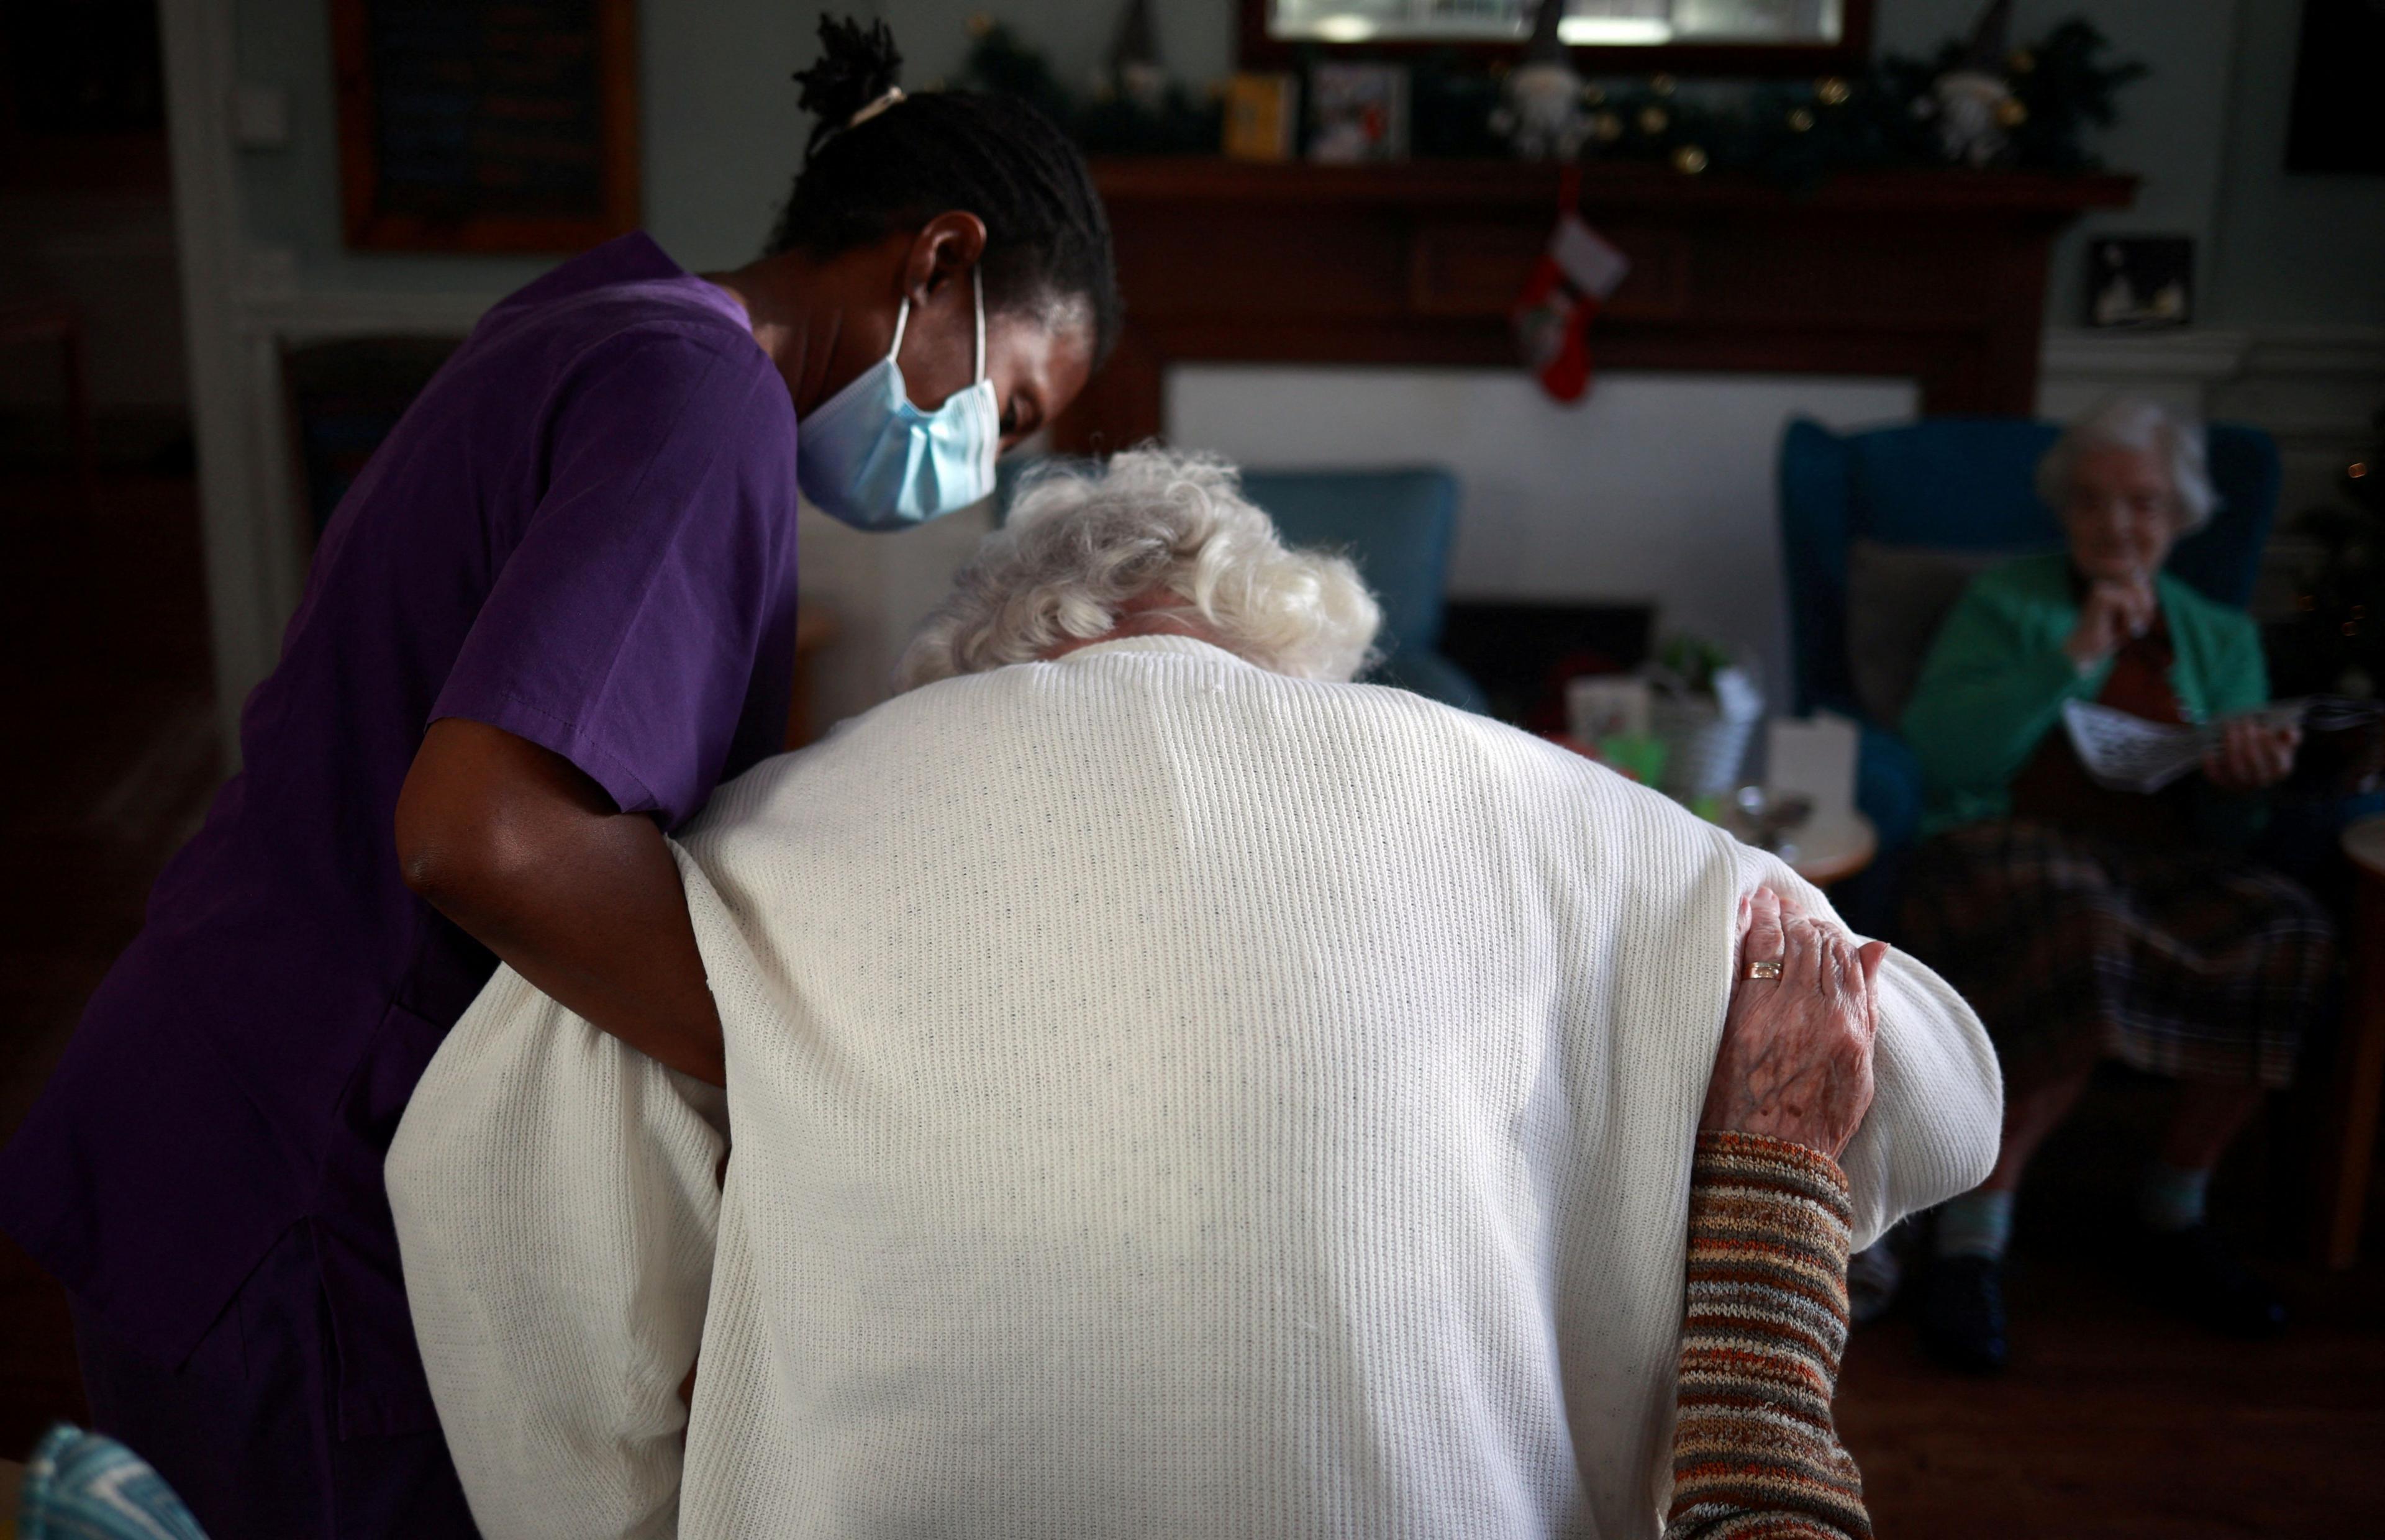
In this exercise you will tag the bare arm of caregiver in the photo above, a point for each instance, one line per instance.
(1755, 1446)
(521, 848)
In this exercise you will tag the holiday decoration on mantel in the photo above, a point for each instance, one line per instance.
(1133, 109)
(1974, 107)
(1543, 107)
(1977, 104)
(1133, 70)
(2039, 99)
(2027, 109)
(1570, 283)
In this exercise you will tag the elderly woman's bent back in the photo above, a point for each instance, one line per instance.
(1170, 1097)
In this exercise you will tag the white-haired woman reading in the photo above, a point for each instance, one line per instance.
(2088, 924)
(1176, 1091)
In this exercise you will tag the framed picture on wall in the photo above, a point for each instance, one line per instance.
(486, 128)
(2335, 125)
(1358, 112)
(2141, 281)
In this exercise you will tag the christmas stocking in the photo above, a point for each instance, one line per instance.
(1551, 318)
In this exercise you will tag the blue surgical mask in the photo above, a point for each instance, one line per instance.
(868, 456)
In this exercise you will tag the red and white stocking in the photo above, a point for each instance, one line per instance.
(1570, 281)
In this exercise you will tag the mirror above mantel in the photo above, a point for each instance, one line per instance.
(1607, 36)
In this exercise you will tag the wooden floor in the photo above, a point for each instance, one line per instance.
(2113, 1421)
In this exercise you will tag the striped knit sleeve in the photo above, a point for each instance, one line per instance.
(1755, 1452)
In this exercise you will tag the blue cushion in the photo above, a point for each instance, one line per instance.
(1397, 525)
(1953, 482)
(1434, 676)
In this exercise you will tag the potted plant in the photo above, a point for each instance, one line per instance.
(1705, 708)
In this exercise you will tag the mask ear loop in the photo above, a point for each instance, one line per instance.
(976, 282)
(902, 319)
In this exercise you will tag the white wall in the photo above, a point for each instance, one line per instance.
(2290, 250)
(2175, 123)
(879, 587)
(1658, 489)
(720, 135)
(2292, 332)
(113, 252)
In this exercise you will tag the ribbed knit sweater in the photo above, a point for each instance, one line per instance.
(1169, 1098)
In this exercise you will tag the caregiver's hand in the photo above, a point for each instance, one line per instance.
(518, 846)
(1796, 1050)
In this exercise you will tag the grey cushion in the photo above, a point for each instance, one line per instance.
(1897, 597)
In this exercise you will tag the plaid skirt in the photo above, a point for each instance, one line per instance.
(2182, 963)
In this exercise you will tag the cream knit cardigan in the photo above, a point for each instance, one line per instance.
(1171, 1100)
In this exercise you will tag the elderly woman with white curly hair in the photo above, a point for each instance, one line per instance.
(1176, 1091)
(2088, 924)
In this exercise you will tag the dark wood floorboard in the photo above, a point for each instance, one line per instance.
(2114, 1421)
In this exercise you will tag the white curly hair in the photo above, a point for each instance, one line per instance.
(2133, 422)
(1084, 539)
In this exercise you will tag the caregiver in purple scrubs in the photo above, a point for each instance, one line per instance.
(554, 611)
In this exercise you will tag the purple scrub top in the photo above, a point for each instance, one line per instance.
(583, 532)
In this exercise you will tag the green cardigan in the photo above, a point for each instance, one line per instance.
(1996, 678)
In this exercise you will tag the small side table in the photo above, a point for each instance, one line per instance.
(1832, 847)
(2352, 1095)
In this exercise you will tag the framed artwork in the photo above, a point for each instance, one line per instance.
(479, 127)
(1358, 112)
(2141, 281)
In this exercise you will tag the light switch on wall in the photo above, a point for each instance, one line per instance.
(260, 116)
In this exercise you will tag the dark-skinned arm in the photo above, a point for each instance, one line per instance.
(529, 855)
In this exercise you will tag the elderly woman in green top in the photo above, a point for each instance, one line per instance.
(2086, 923)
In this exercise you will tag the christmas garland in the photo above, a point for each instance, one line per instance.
(2037, 107)
(1168, 120)
(2032, 111)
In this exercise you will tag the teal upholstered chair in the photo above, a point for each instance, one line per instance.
(1398, 526)
(1958, 485)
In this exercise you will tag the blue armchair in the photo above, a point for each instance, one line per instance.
(1398, 526)
(1959, 484)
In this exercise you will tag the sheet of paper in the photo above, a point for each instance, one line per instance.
(2124, 753)
(1815, 758)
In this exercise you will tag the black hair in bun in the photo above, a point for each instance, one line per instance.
(1048, 236)
(856, 69)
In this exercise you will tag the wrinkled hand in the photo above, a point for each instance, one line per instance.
(2251, 755)
(1796, 1050)
(2112, 615)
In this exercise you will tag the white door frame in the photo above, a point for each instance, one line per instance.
(235, 330)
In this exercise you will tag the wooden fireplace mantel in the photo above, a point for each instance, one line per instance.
(1935, 276)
